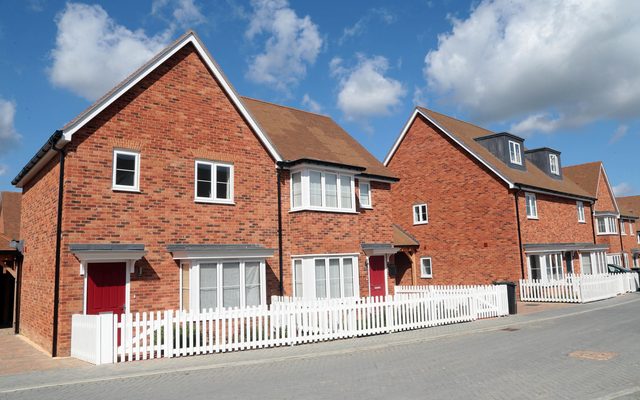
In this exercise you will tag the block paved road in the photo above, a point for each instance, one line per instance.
(521, 357)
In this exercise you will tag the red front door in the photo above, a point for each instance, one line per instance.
(106, 285)
(377, 285)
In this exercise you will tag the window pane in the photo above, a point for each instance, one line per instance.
(347, 272)
(125, 178)
(203, 178)
(331, 187)
(126, 162)
(231, 284)
(315, 184)
(252, 283)
(297, 271)
(586, 263)
(297, 189)
(321, 279)
(204, 172)
(208, 286)
(416, 213)
(334, 278)
(223, 182)
(426, 267)
(345, 192)
(423, 212)
(364, 194)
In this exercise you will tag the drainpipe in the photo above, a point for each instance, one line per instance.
(593, 222)
(56, 282)
(280, 272)
(621, 244)
(515, 197)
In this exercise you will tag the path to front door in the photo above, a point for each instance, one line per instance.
(106, 288)
(377, 276)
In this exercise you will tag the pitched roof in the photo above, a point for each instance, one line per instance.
(300, 135)
(585, 175)
(10, 204)
(629, 206)
(465, 134)
(402, 238)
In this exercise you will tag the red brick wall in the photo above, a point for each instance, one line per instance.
(471, 235)
(630, 240)
(316, 232)
(39, 219)
(175, 115)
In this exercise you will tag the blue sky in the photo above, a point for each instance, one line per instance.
(561, 74)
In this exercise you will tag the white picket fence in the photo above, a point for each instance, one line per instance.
(286, 321)
(578, 288)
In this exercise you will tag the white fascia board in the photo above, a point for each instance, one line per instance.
(452, 137)
(69, 131)
(550, 193)
(42, 162)
(609, 188)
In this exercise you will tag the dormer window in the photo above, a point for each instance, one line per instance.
(554, 165)
(515, 154)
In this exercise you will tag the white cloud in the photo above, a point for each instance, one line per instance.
(93, 52)
(8, 134)
(184, 13)
(364, 90)
(3, 169)
(291, 44)
(623, 189)
(620, 132)
(311, 104)
(360, 26)
(560, 64)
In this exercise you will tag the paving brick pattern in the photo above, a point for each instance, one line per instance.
(480, 360)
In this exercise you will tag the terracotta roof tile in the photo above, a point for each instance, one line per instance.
(629, 206)
(402, 238)
(585, 175)
(300, 135)
(532, 177)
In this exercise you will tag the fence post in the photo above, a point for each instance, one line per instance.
(105, 339)
(168, 334)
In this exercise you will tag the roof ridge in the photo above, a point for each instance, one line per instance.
(284, 106)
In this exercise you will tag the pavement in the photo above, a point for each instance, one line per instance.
(585, 351)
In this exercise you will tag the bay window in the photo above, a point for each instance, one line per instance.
(333, 276)
(606, 225)
(322, 190)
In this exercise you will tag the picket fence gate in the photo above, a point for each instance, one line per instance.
(578, 288)
(286, 321)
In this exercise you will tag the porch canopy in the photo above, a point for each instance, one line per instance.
(218, 251)
(104, 252)
(561, 247)
(378, 249)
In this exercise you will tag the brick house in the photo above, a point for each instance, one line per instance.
(608, 221)
(10, 257)
(172, 191)
(630, 234)
(483, 208)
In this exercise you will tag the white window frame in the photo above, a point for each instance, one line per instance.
(136, 173)
(305, 184)
(580, 207)
(308, 275)
(598, 261)
(417, 217)
(554, 164)
(516, 156)
(422, 273)
(194, 281)
(551, 266)
(614, 259)
(609, 222)
(623, 231)
(532, 211)
(368, 183)
(214, 183)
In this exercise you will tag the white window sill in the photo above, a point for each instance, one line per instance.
(125, 189)
(421, 223)
(426, 276)
(582, 222)
(607, 234)
(327, 210)
(212, 201)
(366, 207)
(534, 218)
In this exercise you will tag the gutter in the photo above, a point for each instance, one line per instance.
(56, 282)
(48, 146)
